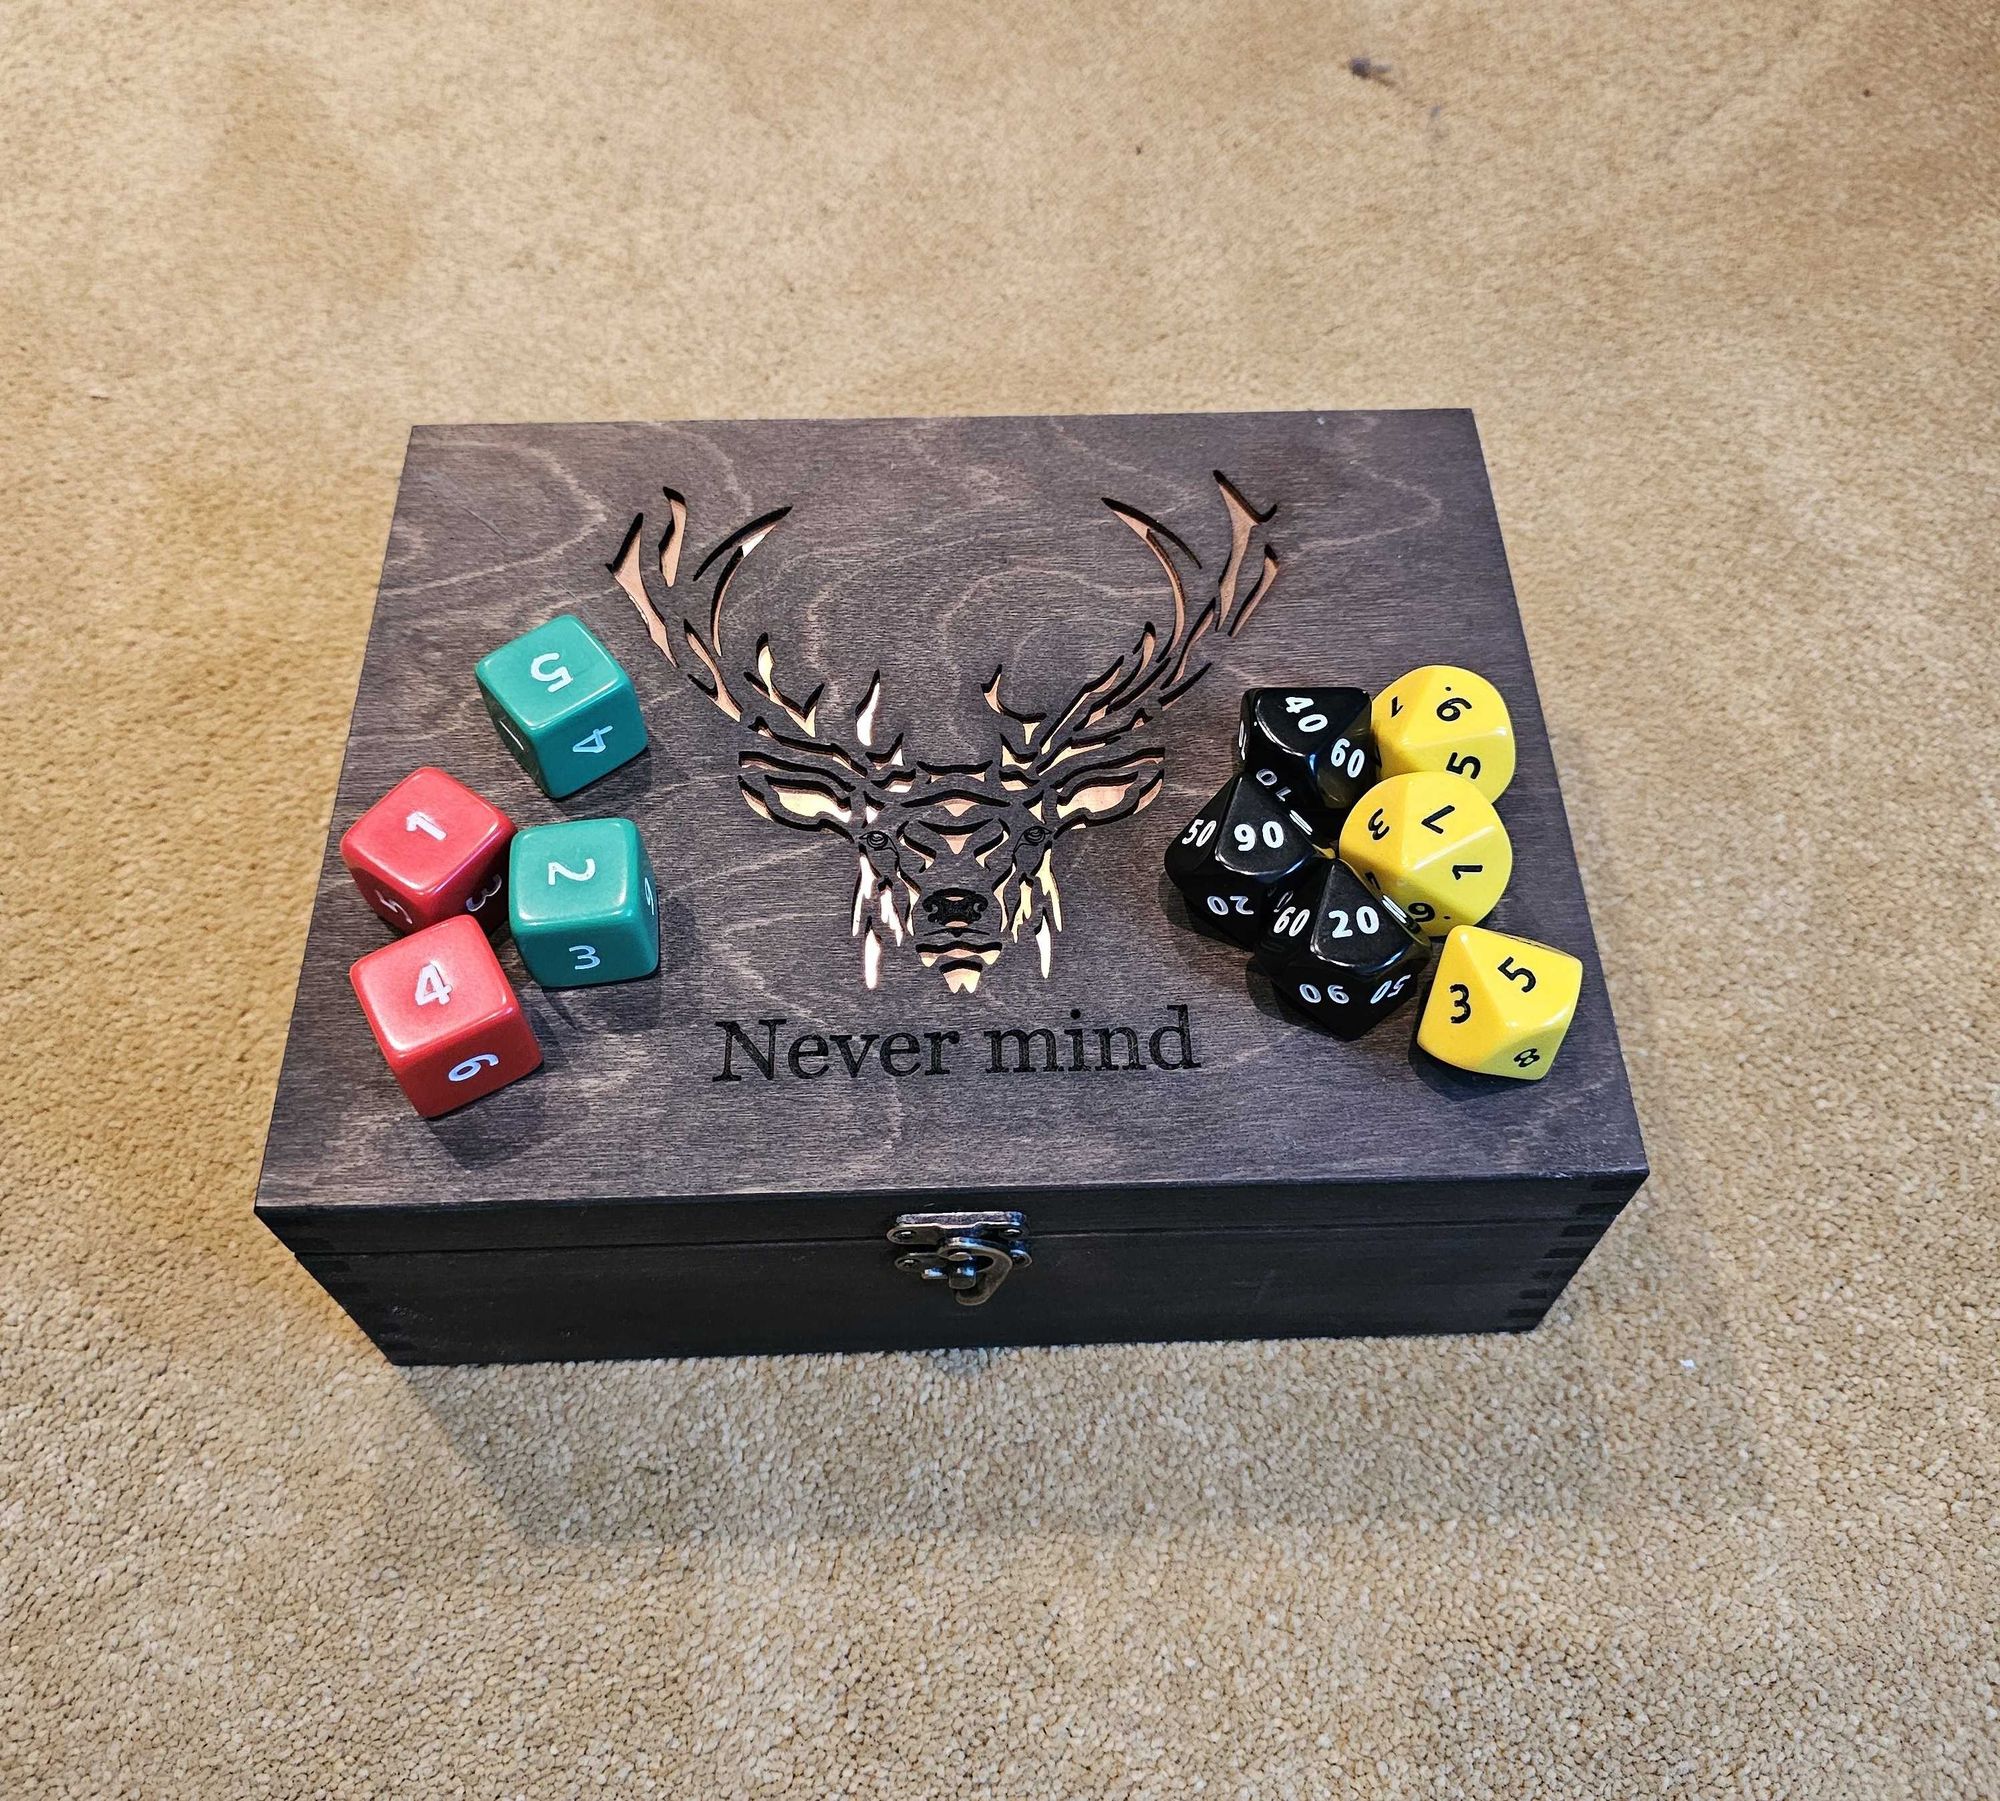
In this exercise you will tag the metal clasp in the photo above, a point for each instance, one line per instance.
(970, 1253)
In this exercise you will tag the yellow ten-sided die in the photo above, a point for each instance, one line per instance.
(1500, 1006)
(1433, 844)
(1447, 719)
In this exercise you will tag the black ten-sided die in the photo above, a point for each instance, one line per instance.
(1338, 953)
(1312, 746)
(1234, 855)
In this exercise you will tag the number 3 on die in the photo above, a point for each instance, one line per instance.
(581, 903)
(1501, 1005)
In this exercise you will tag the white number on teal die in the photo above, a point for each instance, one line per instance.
(549, 671)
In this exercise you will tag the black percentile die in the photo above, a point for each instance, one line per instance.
(1313, 749)
(1234, 856)
(1339, 953)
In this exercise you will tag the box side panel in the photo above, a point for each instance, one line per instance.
(712, 1300)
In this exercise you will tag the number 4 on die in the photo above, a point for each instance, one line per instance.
(446, 1018)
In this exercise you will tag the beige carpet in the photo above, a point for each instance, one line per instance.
(1720, 281)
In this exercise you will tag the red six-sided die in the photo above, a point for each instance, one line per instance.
(445, 1015)
(428, 850)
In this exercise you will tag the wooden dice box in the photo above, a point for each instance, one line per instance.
(837, 1119)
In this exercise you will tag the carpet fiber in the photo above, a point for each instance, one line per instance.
(1719, 281)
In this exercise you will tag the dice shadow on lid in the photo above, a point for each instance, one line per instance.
(679, 932)
(1462, 1085)
(1189, 933)
(498, 1126)
(611, 794)
(1174, 904)
(1264, 997)
(619, 1008)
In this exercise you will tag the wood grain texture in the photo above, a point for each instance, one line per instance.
(932, 552)
(787, 1296)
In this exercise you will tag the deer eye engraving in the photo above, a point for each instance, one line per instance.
(955, 860)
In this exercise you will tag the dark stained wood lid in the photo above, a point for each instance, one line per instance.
(931, 553)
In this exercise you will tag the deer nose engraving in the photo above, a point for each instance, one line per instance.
(954, 906)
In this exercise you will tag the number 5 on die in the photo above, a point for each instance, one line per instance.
(562, 704)
(1501, 1006)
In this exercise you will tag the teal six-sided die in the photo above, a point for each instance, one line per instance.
(562, 705)
(581, 903)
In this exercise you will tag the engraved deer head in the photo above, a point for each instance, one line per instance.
(955, 859)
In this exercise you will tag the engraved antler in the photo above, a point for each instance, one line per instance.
(949, 857)
(753, 696)
(1160, 667)
(809, 776)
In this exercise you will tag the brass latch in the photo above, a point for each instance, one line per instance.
(970, 1253)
